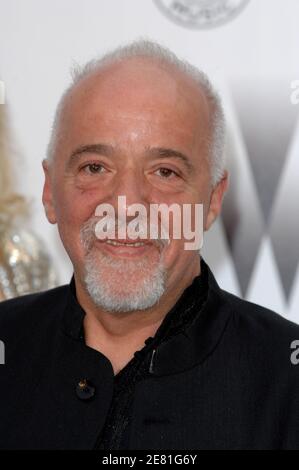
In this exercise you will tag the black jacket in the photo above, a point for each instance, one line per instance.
(225, 382)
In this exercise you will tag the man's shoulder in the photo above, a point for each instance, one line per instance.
(263, 335)
(24, 310)
(250, 319)
(257, 318)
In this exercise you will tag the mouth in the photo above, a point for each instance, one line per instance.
(128, 248)
(125, 243)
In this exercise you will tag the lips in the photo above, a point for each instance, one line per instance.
(128, 243)
(129, 248)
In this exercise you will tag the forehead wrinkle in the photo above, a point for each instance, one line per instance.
(185, 104)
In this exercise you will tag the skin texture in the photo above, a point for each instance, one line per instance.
(133, 106)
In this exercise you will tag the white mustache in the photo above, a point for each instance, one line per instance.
(91, 229)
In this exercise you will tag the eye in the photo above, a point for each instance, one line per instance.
(166, 173)
(93, 168)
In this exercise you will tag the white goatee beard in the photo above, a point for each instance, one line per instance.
(123, 285)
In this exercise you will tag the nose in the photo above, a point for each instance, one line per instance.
(132, 185)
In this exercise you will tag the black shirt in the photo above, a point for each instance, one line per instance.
(222, 376)
(115, 433)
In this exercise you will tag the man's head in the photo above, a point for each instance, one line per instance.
(142, 124)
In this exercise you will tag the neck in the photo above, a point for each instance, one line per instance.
(118, 335)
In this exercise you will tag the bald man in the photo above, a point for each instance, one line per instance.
(143, 349)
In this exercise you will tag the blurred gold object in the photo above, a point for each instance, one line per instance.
(25, 266)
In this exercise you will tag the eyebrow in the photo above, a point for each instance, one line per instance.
(109, 150)
(162, 152)
(100, 149)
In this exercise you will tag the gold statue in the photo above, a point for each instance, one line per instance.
(24, 264)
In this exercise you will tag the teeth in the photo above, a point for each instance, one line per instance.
(115, 243)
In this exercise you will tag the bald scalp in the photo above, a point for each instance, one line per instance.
(156, 72)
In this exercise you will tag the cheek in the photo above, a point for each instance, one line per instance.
(176, 255)
(74, 206)
(206, 208)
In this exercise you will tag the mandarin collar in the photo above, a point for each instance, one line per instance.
(188, 332)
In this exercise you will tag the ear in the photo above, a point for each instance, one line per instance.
(216, 200)
(47, 194)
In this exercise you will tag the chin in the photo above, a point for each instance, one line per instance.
(124, 285)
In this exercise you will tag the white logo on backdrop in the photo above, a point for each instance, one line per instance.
(201, 14)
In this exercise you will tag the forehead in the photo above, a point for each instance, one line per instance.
(136, 99)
